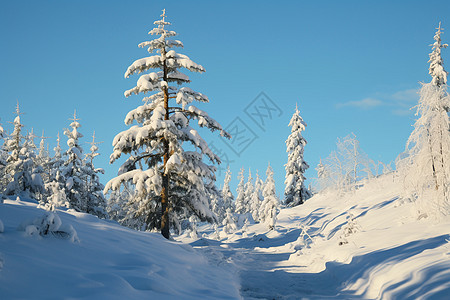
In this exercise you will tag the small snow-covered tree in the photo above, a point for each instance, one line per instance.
(248, 192)
(240, 206)
(73, 167)
(256, 198)
(56, 184)
(3, 157)
(322, 176)
(56, 162)
(295, 192)
(426, 168)
(229, 223)
(193, 233)
(42, 160)
(269, 207)
(217, 204)
(56, 197)
(167, 177)
(96, 202)
(227, 195)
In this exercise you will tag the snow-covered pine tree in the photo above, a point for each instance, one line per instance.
(21, 174)
(217, 205)
(3, 157)
(11, 147)
(55, 187)
(269, 207)
(248, 192)
(295, 192)
(427, 167)
(43, 161)
(166, 176)
(227, 195)
(229, 223)
(256, 198)
(322, 175)
(96, 202)
(240, 198)
(56, 162)
(72, 171)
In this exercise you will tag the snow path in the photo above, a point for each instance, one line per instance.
(265, 275)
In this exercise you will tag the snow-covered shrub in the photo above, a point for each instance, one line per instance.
(194, 233)
(216, 234)
(304, 240)
(350, 227)
(49, 225)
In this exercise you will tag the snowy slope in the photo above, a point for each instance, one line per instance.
(385, 251)
(108, 262)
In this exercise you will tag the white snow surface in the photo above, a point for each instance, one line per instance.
(108, 262)
(386, 252)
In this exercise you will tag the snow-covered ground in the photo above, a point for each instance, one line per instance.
(366, 244)
(107, 262)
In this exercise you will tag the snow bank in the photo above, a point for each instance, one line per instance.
(108, 261)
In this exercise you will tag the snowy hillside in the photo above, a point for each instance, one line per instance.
(106, 261)
(364, 245)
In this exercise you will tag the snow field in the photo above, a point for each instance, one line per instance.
(108, 262)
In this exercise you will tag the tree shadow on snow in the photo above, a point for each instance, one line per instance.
(266, 283)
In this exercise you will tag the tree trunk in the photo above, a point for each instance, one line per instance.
(165, 177)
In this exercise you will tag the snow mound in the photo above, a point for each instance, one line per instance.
(108, 261)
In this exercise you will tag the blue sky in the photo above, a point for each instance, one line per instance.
(352, 66)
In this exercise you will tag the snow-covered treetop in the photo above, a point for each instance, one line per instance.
(42, 151)
(436, 69)
(58, 149)
(73, 135)
(170, 58)
(16, 134)
(269, 185)
(226, 192)
(297, 122)
(94, 148)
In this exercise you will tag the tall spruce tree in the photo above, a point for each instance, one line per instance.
(295, 192)
(167, 177)
(427, 166)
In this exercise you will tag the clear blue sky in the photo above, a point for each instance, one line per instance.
(352, 66)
